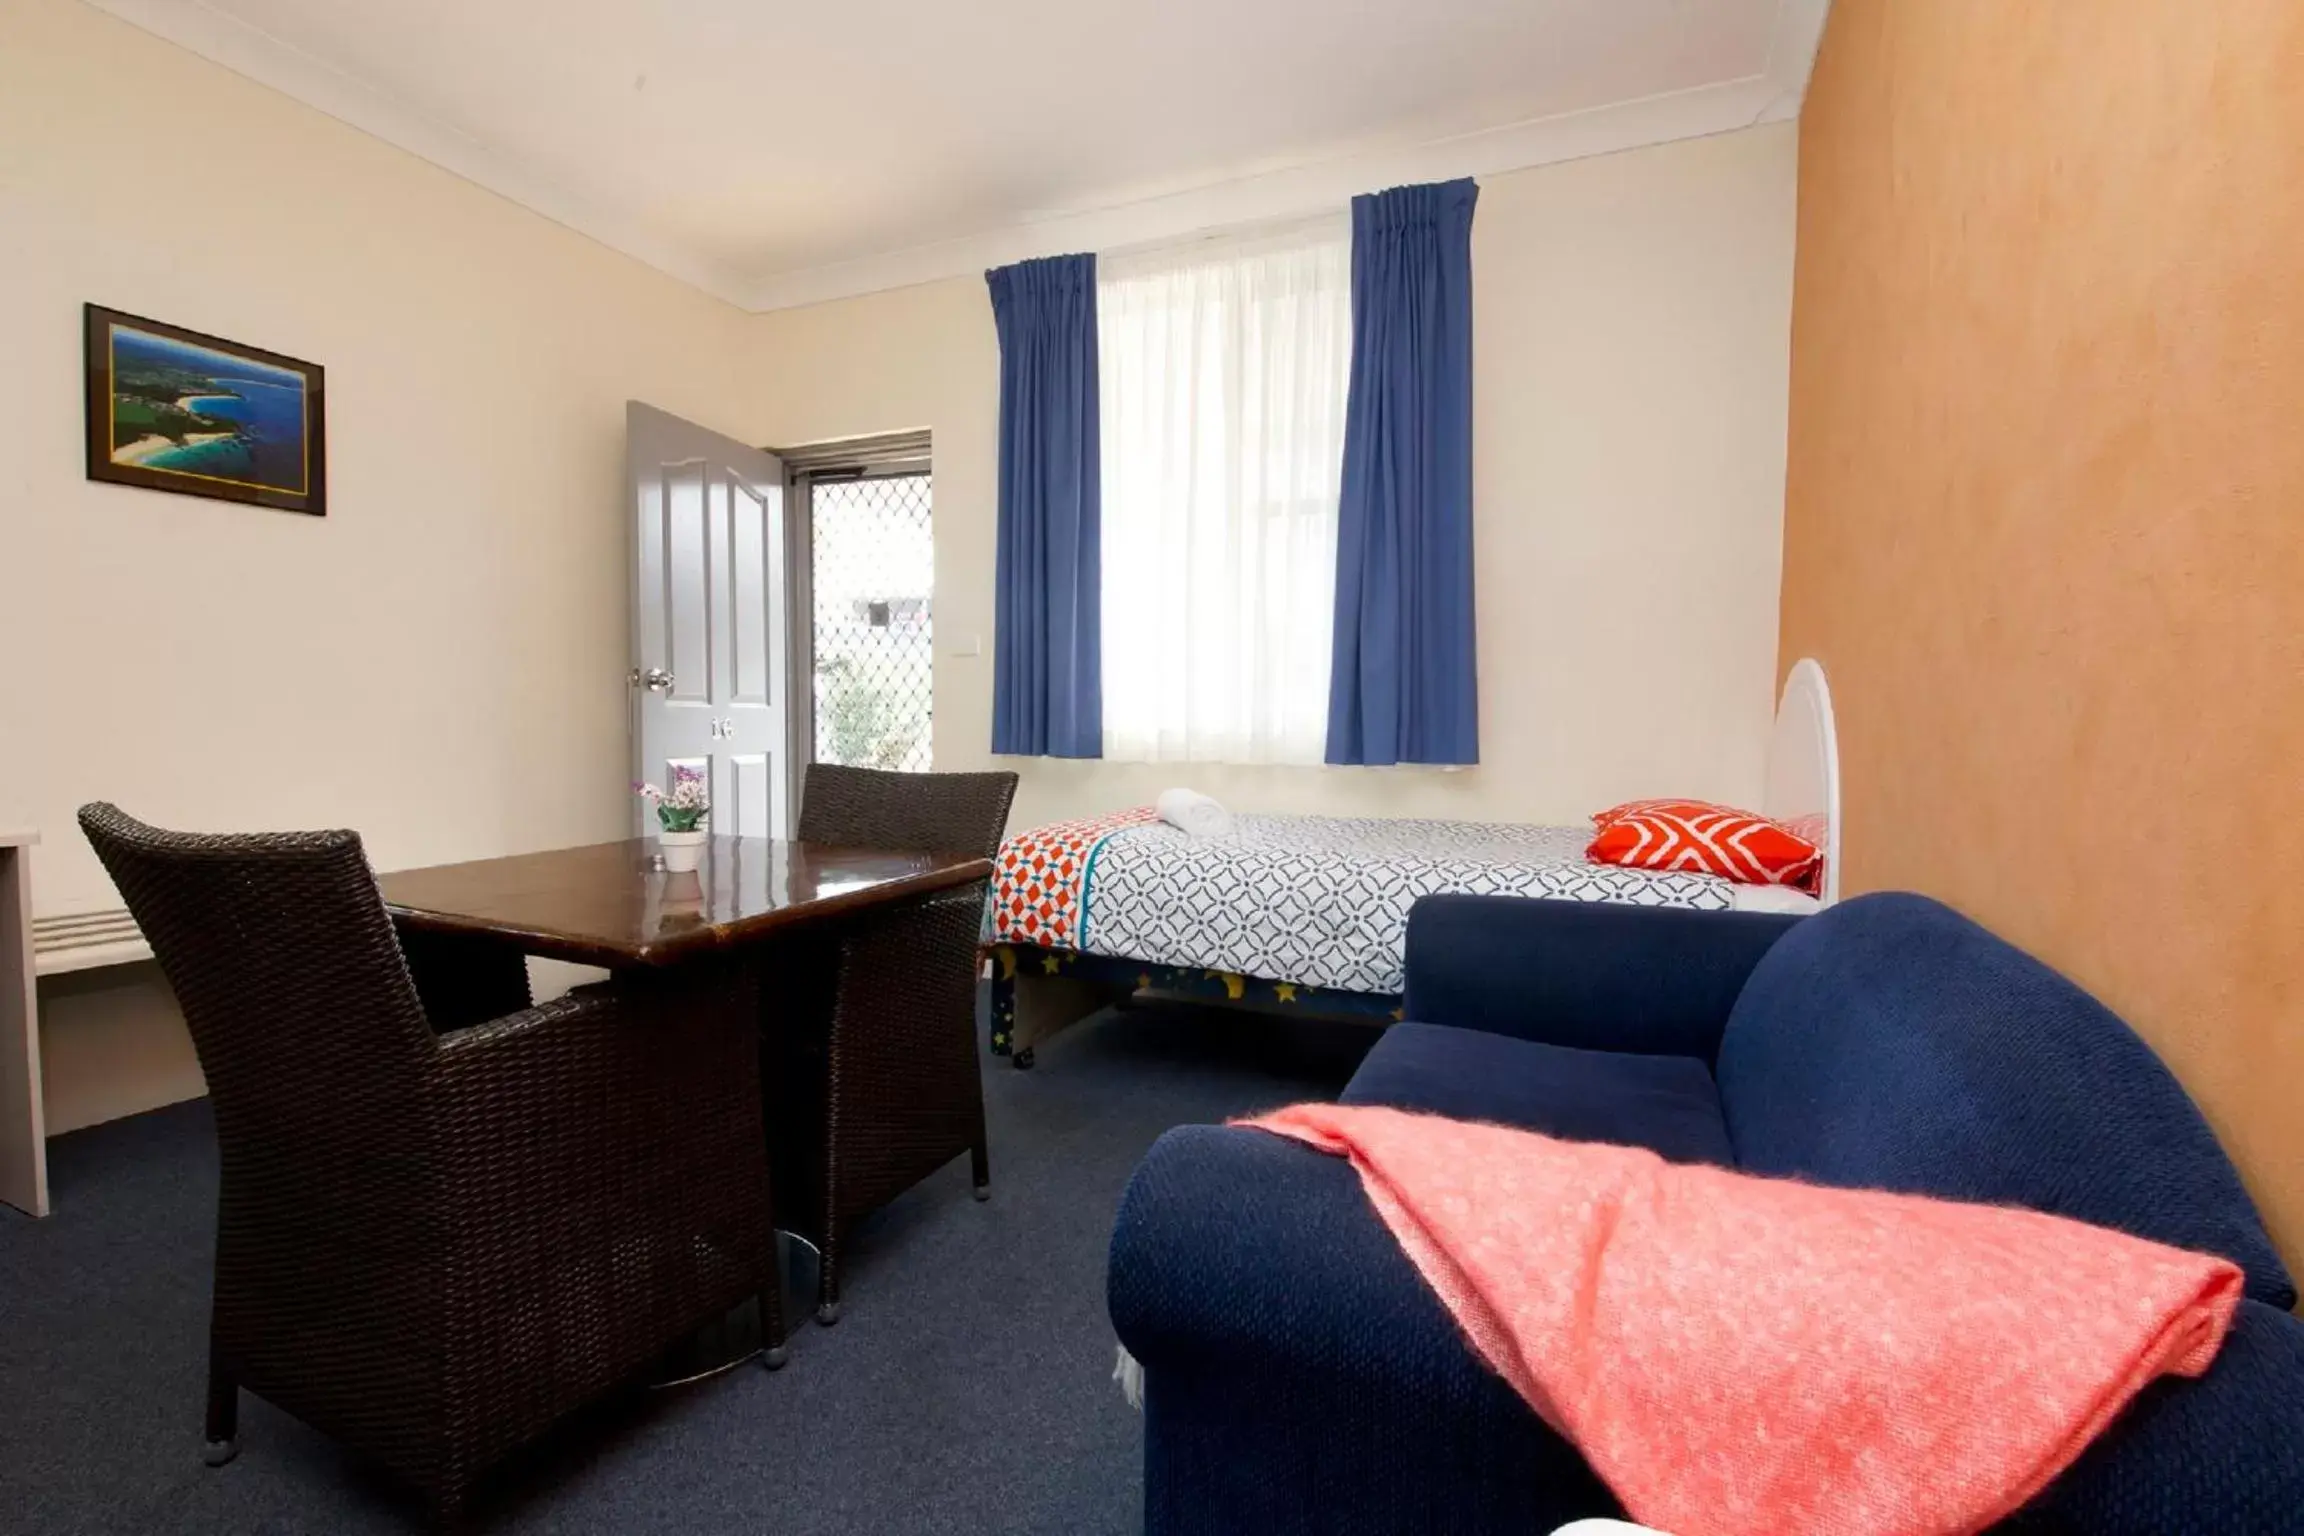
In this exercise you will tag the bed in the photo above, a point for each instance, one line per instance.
(1309, 913)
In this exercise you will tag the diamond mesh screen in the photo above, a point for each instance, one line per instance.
(874, 571)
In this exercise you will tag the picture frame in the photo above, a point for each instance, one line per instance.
(173, 409)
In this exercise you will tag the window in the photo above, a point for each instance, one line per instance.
(1224, 366)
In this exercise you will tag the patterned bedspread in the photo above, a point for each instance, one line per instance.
(1316, 900)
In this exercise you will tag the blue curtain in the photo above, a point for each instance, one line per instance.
(1048, 658)
(1404, 688)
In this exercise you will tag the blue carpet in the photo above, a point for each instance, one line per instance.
(966, 1389)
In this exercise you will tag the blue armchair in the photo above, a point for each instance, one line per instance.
(1299, 1376)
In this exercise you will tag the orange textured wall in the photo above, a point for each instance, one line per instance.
(2045, 506)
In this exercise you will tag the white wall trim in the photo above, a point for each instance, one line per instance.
(1792, 55)
(1771, 96)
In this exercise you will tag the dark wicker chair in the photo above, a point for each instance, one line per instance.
(913, 812)
(432, 1242)
(896, 1052)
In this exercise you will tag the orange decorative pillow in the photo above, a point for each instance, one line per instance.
(1696, 837)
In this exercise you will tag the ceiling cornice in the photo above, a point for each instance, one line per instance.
(1771, 96)
(249, 50)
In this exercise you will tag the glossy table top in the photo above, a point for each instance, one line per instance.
(610, 905)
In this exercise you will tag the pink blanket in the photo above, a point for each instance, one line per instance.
(1741, 1356)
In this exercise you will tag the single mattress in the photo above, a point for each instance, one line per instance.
(1320, 901)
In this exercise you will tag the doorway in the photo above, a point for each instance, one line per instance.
(865, 522)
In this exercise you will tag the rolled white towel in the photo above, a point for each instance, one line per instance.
(1130, 1375)
(1775, 898)
(1195, 813)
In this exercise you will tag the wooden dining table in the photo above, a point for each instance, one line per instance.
(615, 905)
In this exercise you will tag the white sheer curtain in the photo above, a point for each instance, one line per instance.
(1224, 369)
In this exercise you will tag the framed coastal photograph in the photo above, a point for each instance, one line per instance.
(174, 410)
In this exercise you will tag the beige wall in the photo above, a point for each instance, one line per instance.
(2042, 525)
(1631, 325)
(440, 661)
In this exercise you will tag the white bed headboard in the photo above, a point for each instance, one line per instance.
(1803, 789)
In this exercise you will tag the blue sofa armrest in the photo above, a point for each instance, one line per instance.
(1300, 1378)
(2224, 1453)
(1299, 1375)
(1601, 976)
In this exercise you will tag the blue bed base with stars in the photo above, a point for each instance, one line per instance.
(1125, 975)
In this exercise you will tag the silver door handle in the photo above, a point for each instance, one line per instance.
(655, 680)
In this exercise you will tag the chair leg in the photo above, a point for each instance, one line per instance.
(980, 1152)
(828, 1280)
(223, 1429)
(774, 1350)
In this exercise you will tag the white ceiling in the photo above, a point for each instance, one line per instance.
(777, 152)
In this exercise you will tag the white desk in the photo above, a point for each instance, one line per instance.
(23, 1125)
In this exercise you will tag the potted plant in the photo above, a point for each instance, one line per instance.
(680, 818)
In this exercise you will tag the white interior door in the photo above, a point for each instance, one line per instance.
(710, 619)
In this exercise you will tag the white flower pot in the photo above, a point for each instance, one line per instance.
(682, 850)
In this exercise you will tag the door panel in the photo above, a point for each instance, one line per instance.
(752, 577)
(687, 608)
(753, 802)
(710, 615)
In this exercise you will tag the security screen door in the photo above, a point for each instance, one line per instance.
(872, 581)
(710, 615)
